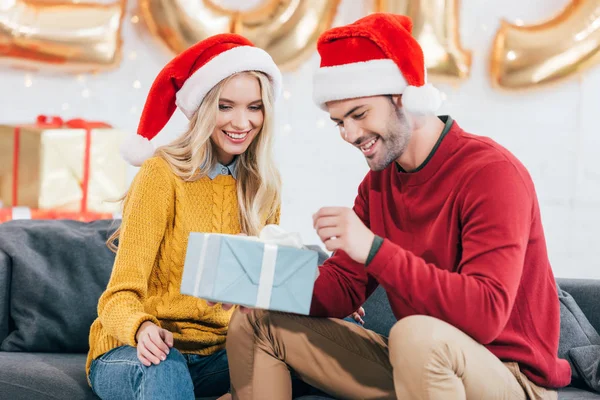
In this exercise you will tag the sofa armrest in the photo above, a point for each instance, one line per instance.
(586, 293)
(5, 273)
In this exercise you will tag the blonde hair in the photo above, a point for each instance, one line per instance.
(193, 155)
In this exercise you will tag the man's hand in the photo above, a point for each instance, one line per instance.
(340, 229)
(153, 343)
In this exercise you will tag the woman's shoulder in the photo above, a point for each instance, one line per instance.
(155, 169)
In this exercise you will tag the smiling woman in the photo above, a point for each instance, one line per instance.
(218, 176)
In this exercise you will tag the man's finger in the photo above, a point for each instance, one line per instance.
(328, 212)
(361, 312)
(210, 303)
(245, 310)
(333, 244)
(328, 233)
(326, 222)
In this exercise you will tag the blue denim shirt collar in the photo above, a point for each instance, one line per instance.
(221, 169)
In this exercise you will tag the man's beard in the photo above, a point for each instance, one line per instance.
(394, 142)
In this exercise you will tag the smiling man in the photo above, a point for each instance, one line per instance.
(447, 222)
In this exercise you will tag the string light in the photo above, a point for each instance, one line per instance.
(287, 128)
(484, 28)
(81, 78)
(519, 22)
(133, 110)
(65, 106)
(137, 84)
(321, 123)
(132, 55)
(286, 94)
(28, 80)
(85, 93)
(511, 55)
(135, 19)
(444, 96)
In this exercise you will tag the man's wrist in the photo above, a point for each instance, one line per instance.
(375, 246)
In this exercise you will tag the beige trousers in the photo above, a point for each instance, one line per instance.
(424, 358)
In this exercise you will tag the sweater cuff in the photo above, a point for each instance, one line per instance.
(134, 323)
(377, 242)
(380, 262)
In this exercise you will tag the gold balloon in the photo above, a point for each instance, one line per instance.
(60, 36)
(435, 26)
(535, 55)
(287, 29)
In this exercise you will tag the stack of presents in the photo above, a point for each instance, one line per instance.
(57, 169)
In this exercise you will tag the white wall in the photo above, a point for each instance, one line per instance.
(553, 131)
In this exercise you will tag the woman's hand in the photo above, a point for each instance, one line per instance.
(154, 343)
(358, 314)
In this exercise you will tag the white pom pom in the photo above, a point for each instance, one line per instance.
(422, 100)
(136, 149)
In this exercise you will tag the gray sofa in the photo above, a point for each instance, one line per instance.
(51, 275)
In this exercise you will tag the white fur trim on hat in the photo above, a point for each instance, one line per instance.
(237, 59)
(424, 99)
(136, 149)
(372, 78)
(361, 79)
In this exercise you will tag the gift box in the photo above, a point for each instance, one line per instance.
(15, 213)
(69, 165)
(272, 272)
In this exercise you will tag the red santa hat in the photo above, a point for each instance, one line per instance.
(376, 55)
(184, 82)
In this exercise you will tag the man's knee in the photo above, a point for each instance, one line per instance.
(419, 338)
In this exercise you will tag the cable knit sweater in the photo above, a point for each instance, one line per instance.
(158, 216)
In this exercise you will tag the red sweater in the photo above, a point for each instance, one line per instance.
(463, 242)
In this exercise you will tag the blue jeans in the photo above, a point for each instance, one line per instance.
(118, 374)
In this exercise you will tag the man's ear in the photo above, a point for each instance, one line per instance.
(397, 100)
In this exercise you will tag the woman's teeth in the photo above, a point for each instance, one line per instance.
(236, 135)
(369, 144)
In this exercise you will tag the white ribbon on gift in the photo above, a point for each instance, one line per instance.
(272, 236)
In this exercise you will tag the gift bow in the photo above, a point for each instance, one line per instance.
(274, 234)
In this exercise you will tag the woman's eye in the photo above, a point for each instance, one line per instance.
(223, 107)
(255, 108)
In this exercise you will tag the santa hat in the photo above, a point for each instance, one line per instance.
(376, 55)
(185, 81)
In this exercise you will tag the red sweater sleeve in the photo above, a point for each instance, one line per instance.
(343, 284)
(496, 212)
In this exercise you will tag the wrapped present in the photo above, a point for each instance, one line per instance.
(14, 213)
(272, 272)
(69, 165)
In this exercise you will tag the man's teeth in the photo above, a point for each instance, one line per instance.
(236, 135)
(369, 144)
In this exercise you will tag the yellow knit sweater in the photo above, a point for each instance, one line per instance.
(158, 216)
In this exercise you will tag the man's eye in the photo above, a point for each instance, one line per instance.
(359, 116)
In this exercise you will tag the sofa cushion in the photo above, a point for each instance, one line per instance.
(586, 360)
(59, 270)
(4, 295)
(576, 332)
(27, 376)
(571, 393)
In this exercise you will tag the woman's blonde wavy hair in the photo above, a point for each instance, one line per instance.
(193, 155)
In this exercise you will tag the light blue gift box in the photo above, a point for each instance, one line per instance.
(245, 271)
